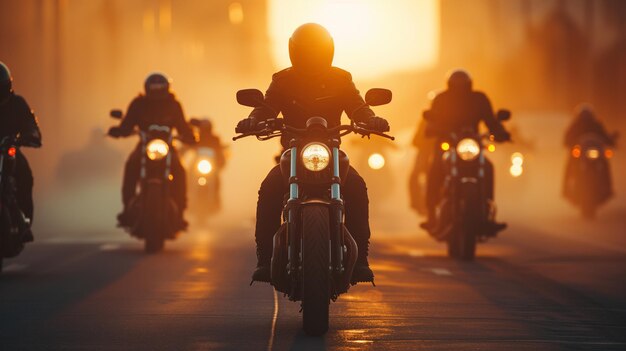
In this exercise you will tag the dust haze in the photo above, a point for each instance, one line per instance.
(76, 60)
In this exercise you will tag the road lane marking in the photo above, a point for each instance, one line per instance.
(15, 267)
(439, 271)
(270, 344)
(416, 253)
(109, 247)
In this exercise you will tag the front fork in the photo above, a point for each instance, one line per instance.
(336, 216)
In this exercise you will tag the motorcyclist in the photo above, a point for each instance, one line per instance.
(19, 121)
(586, 122)
(312, 87)
(157, 106)
(457, 109)
(206, 138)
(425, 148)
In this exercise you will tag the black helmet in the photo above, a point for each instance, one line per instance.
(6, 82)
(459, 80)
(585, 112)
(311, 48)
(157, 85)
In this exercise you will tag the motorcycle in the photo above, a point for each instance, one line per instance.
(314, 254)
(153, 210)
(464, 211)
(14, 225)
(205, 163)
(588, 176)
(372, 160)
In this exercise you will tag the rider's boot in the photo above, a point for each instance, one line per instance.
(362, 272)
(493, 228)
(431, 221)
(262, 273)
(124, 218)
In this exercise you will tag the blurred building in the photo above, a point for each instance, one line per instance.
(540, 54)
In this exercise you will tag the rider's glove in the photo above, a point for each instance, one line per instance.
(246, 125)
(115, 132)
(378, 124)
(502, 136)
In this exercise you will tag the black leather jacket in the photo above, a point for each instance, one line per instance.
(455, 111)
(144, 111)
(300, 96)
(18, 120)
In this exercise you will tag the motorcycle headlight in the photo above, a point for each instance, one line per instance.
(376, 161)
(592, 153)
(517, 159)
(157, 149)
(468, 149)
(204, 167)
(315, 157)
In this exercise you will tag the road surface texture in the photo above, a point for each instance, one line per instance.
(530, 289)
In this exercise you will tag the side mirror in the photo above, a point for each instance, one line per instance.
(250, 97)
(378, 96)
(116, 114)
(427, 114)
(194, 122)
(503, 115)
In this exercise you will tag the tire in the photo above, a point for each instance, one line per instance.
(588, 211)
(462, 243)
(453, 248)
(154, 238)
(315, 269)
(467, 244)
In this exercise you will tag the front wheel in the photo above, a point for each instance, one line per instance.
(153, 220)
(315, 269)
(588, 211)
(462, 242)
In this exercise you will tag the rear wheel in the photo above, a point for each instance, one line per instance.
(315, 269)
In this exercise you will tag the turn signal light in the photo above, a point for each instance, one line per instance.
(11, 152)
(608, 153)
(576, 151)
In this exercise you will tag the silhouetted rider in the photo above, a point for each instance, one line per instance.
(18, 120)
(586, 122)
(455, 110)
(158, 106)
(207, 138)
(311, 87)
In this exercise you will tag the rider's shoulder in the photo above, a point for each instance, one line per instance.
(18, 99)
(341, 74)
(479, 95)
(283, 74)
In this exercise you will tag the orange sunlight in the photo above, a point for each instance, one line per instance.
(372, 37)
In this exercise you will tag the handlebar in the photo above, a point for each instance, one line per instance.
(270, 131)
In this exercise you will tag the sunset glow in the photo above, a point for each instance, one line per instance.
(372, 38)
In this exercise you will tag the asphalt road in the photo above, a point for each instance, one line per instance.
(531, 289)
